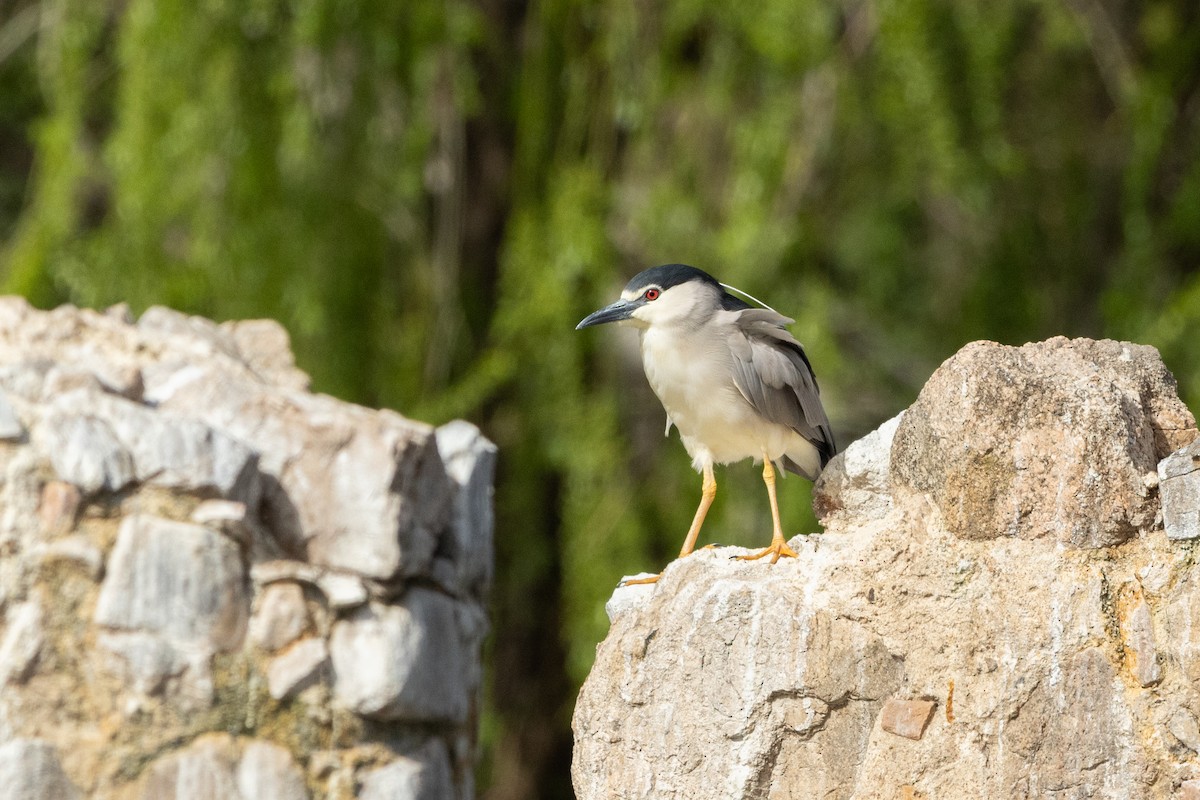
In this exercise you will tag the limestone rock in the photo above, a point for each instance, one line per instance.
(1179, 485)
(279, 617)
(404, 661)
(470, 461)
(22, 641)
(297, 668)
(996, 428)
(217, 767)
(856, 485)
(422, 775)
(183, 581)
(906, 718)
(31, 771)
(269, 772)
(187, 535)
(957, 601)
(348, 487)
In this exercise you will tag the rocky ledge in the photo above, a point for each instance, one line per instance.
(996, 610)
(216, 584)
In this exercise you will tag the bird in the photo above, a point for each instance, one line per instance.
(732, 380)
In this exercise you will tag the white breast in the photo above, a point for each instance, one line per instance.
(691, 373)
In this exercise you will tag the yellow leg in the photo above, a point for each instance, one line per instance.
(707, 493)
(778, 546)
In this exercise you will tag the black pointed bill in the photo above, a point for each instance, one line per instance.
(613, 312)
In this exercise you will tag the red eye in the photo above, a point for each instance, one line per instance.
(652, 294)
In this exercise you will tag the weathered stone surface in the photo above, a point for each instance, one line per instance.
(906, 718)
(185, 582)
(421, 775)
(22, 641)
(1179, 486)
(996, 428)
(217, 767)
(297, 668)
(1189, 790)
(149, 445)
(280, 616)
(60, 504)
(31, 771)
(404, 661)
(1044, 668)
(856, 485)
(351, 488)
(160, 480)
(470, 461)
(11, 428)
(86, 452)
(268, 772)
(1137, 635)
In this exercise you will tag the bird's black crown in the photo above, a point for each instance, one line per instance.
(667, 275)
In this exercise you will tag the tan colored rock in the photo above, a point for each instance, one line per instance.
(1063, 671)
(60, 504)
(1189, 790)
(32, 771)
(906, 718)
(997, 428)
(280, 616)
(1137, 635)
(298, 668)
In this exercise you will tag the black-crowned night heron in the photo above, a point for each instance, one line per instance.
(731, 378)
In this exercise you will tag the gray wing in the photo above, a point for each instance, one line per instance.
(772, 372)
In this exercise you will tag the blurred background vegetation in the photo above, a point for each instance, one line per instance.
(431, 193)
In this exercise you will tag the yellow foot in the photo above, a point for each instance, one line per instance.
(777, 549)
(636, 581)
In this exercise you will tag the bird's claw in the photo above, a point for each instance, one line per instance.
(640, 581)
(778, 548)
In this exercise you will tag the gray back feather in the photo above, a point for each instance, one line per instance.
(772, 372)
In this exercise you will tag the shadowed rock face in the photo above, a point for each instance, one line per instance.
(193, 545)
(994, 611)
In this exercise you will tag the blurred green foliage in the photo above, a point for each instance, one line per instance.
(430, 195)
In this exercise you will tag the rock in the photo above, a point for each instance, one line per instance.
(60, 504)
(422, 775)
(342, 590)
(995, 426)
(348, 488)
(182, 581)
(268, 772)
(11, 429)
(296, 669)
(280, 616)
(202, 771)
(1179, 486)
(627, 597)
(77, 549)
(856, 485)
(960, 572)
(265, 346)
(169, 487)
(906, 718)
(404, 662)
(1183, 726)
(32, 772)
(1189, 790)
(86, 453)
(1137, 635)
(226, 516)
(470, 461)
(22, 642)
